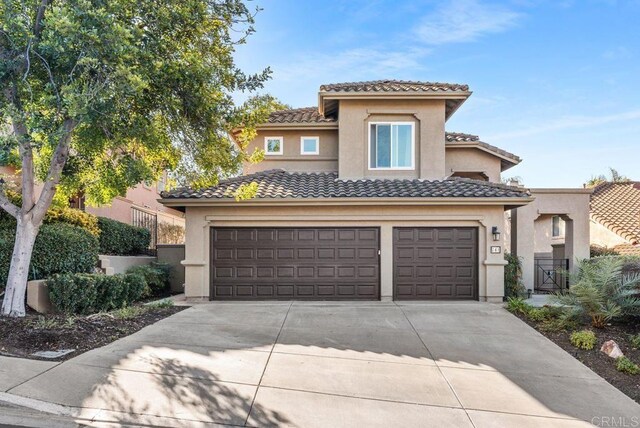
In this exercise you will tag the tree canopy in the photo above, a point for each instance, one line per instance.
(136, 86)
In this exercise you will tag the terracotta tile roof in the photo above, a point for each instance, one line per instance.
(277, 183)
(299, 115)
(617, 207)
(393, 86)
(627, 249)
(459, 137)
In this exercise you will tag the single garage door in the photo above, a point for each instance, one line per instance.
(435, 263)
(295, 263)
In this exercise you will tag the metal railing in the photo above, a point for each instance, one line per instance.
(149, 221)
(551, 275)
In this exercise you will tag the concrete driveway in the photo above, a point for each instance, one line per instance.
(327, 364)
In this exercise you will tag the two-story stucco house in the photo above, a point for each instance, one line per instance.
(363, 197)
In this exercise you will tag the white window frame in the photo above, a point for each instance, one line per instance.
(392, 168)
(266, 146)
(316, 152)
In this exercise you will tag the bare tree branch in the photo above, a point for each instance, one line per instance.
(37, 29)
(7, 205)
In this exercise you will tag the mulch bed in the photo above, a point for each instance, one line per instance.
(599, 362)
(21, 337)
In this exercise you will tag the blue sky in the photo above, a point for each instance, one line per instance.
(555, 82)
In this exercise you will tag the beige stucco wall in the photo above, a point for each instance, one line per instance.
(572, 205)
(143, 197)
(291, 158)
(469, 159)
(429, 119)
(543, 231)
(604, 237)
(201, 219)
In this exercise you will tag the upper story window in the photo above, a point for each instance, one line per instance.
(391, 145)
(309, 145)
(273, 145)
(557, 226)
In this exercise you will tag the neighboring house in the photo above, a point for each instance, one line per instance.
(615, 217)
(139, 206)
(363, 197)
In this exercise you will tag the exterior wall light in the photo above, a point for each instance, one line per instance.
(495, 233)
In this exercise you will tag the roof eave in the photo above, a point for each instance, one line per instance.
(369, 201)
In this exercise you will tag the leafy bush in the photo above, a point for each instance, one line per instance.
(544, 313)
(73, 293)
(156, 277)
(513, 277)
(585, 339)
(602, 291)
(75, 217)
(625, 365)
(55, 214)
(517, 305)
(121, 239)
(558, 324)
(88, 293)
(634, 341)
(59, 248)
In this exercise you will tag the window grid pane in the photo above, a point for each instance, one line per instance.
(383, 146)
(310, 145)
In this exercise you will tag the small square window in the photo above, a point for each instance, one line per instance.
(273, 145)
(309, 145)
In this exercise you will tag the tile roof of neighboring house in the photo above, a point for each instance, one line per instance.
(299, 115)
(393, 86)
(617, 207)
(459, 137)
(627, 249)
(277, 183)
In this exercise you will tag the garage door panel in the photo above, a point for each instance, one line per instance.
(295, 263)
(435, 263)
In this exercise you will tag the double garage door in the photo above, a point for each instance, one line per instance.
(341, 263)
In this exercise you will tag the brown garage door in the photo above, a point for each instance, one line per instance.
(294, 263)
(435, 263)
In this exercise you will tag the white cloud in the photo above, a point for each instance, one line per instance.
(464, 21)
(568, 122)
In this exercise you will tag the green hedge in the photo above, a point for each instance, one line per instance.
(156, 277)
(121, 239)
(59, 248)
(55, 214)
(89, 293)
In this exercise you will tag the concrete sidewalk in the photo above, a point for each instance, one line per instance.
(328, 364)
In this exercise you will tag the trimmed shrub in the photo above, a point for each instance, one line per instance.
(156, 277)
(88, 293)
(110, 292)
(134, 286)
(55, 214)
(634, 341)
(121, 239)
(599, 251)
(625, 365)
(59, 248)
(73, 293)
(585, 339)
(75, 217)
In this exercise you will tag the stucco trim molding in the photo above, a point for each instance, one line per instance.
(193, 263)
(495, 263)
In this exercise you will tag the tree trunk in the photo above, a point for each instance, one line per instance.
(14, 297)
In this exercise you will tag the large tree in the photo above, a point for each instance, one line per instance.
(98, 95)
